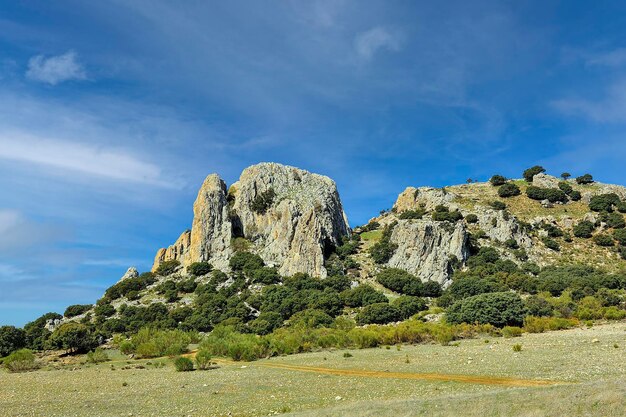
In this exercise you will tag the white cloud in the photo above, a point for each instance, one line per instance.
(100, 161)
(55, 69)
(611, 108)
(369, 42)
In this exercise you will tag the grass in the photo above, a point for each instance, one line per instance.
(590, 382)
(373, 235)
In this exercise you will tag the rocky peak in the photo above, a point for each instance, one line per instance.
(291, 218)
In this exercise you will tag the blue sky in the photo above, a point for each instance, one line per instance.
(113, 112)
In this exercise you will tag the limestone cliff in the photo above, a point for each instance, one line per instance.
(292, 219)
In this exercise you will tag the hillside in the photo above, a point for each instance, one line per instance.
(273, 252)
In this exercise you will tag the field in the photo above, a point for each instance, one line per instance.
(574, 372)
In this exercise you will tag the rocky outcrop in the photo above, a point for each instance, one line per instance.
(426, 197)
(501, 226)
(545, 181)
(301, 221)
(428, 248)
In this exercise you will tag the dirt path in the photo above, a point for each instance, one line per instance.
(472, 379)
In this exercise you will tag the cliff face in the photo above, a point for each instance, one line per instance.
(290, 217)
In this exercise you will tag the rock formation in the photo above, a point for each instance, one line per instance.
(427, 248)
(294, 228)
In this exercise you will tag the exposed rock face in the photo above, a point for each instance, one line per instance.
(130, 273)
(545, 181)
(303, 221)
(428, 197)
(501, 227)
(425, 248)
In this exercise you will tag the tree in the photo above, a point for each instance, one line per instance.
(408, 306)
(509, 190)
(604, 202)
(531, 172)
(566, 176)
(499, 309)
(471, 218)
(362, 296)
(400, 281)
(443, 214)
(199, 269)
(73, 337)
(384, 249)
(11, 339)
(497, 180)
(603, 240)
(263, 201)
(246, 261)
(76, 310)
(584, 179)
(167, 267)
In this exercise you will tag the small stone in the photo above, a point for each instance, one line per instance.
(338, 398)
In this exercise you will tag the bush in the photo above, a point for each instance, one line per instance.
(149, 343)
(203, 359)
(497, 180)
(517, 348)
(575, 195)
(541, 324)
(199, 269)
(411, 215)
(443, 214)
(497, 205)
(76, 310)
(310, 319)
(245, 261)
(379, 313)
(73, 337)
(538, 306)
(11, 339)
(620, 236)
(604, 202)
(509, 190)
(584, 229)
(613, 220)
(551, 244)
(551, 194)
(566, 176)
(431, 289)
(266, 275)
(584, 179)
(167, 267)
(362, 295)
(183, 364)
(471, 218)
(511, 331)
(603, 240)
(531, 172)
(384, 249)
(97, 356)
(104, 310)
(407, 306)
(499, 309)
(400, 281)
(20, 361)
(263, 201)
(565, 187)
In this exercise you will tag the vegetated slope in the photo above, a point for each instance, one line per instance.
(276, 251)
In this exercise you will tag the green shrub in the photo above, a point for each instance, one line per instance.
(511, 331)
(497, 205)
(575, 195)
(20, 361)
(407, 306)
(379, 313)
(104, 310)
(266, 275)
(517, 348)
(443, 214)
(183, 364)
(499, 309)
(620, 236)
(167, 267)
(97, 356)
(411, 215)
(613, 220)
(497, 180)
(362, 295)
(541, 324)
(604, 202)
(11, 339)
(531, 172)
(150, 343)
(203, 359)
(246, 261)
(551, 244)
(431, 289)
(263, 201)
(73, 337)
(565, 187)
(471, 218)
(199, 269)
(384, 249)
(538, 306)
(76, 310)
(551, 194)
(400, 281)
(603, 240)
(553, 231)
(584, 229)
(584, 179)
(509, 190)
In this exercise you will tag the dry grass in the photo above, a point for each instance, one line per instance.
(593, 372)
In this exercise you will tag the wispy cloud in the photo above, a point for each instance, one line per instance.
(18, 232)
(55, 69)
(369, 42)
(99, 161)
(610, 109)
